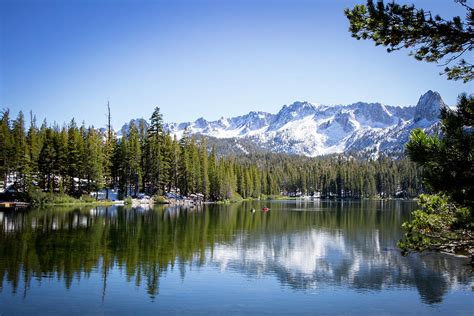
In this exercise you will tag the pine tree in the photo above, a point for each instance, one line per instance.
(20, 157)
(6, 146)
(204, 176)
(432, 38)
(257, 189)
(185, 164)
(175, 154)
(34, 144)
(47, 162)
(75, 158)
(166, 164)
(195, 167)
(61, 159)
(214, 180)
(134, 158)
(155, 166)
(122, 167)
(93, 166)
(156, 123)
(108, 153)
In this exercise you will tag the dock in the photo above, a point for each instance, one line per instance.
(14, 204)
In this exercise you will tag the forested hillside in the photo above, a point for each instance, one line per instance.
(77, 160)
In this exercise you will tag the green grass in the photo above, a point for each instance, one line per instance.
(46, 198)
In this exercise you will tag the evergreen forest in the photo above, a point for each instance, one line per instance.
(76, 160)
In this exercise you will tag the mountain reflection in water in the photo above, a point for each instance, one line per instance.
(305, 246)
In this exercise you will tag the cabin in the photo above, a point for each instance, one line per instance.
(12, 193)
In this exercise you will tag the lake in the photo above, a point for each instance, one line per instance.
(301, 257)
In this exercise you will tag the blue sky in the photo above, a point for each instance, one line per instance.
(64, 59)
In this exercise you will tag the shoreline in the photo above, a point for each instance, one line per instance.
(137, 202)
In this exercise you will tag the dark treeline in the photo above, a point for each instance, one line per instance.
(78, 160)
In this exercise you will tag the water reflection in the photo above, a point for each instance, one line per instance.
(304, 246)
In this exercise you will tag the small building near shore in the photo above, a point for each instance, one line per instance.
(102, 194)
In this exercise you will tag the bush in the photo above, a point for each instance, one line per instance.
(236, 197)
(87, 198)
(128, 201)
(438, 225)
(38, 197)
(159, 199)
(274, 197)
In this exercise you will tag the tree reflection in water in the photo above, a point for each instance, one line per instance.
(303, 245)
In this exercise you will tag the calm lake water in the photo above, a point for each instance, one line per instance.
(299, 258)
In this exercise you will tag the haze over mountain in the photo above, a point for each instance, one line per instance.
(311, 129)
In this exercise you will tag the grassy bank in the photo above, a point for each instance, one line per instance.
(44, 198)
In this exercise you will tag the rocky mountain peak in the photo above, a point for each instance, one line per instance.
(374, 113)
(428, 107)
(201, 122)
(299, 107)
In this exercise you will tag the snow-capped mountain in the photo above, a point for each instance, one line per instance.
(312, 129)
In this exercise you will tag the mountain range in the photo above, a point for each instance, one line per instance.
(309, 129)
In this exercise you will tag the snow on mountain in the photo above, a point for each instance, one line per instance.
(428, 107)
(312, 129)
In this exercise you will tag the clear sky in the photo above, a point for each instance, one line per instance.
(64, 59)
